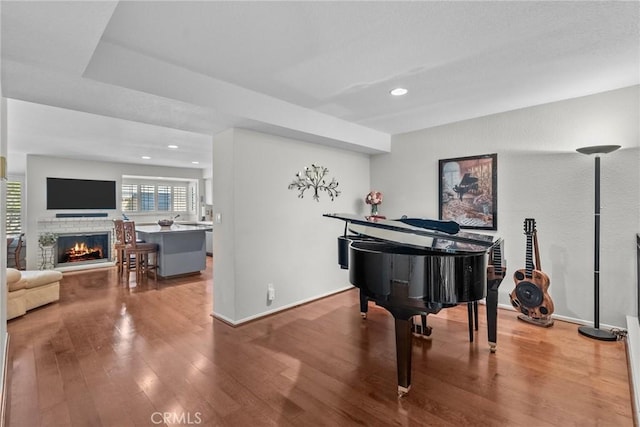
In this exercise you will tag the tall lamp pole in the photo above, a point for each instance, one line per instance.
(595, 332)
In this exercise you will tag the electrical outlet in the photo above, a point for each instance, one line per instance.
(271, 292)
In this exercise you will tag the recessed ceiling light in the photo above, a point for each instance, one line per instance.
(399, 91)
(146, 157)
(172, 146)
(196, 163)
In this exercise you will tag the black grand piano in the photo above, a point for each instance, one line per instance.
(414, 266)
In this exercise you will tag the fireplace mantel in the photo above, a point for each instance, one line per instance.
(78, 225)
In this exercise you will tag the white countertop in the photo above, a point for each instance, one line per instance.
(175, 228)
(205, 223)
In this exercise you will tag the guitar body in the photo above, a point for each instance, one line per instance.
(530, 295)
(539, 278)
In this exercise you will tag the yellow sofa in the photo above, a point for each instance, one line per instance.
(27, 290)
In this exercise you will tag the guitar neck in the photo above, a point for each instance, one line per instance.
(529, 258)
(537, 252)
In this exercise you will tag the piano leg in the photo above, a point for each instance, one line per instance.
(492, 315)
(364, 305)
(403, 354)
(475, 313)
(471, 320)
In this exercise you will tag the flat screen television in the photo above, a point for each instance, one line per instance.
(65, 193)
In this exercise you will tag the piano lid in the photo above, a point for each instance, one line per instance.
(417, 232)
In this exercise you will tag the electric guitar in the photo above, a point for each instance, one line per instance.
(530, 295)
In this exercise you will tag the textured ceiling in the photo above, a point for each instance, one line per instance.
(314, 70)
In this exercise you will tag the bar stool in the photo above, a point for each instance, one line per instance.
(119, 245)
(136, 254)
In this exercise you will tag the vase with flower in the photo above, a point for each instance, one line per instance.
(374, 198)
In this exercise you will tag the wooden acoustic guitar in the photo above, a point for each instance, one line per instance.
(530, 295)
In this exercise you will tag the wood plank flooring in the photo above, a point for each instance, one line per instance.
(105, 355)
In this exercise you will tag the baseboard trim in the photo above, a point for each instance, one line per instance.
(633, 360)
(563, 318)
(277, 310)
(507, 307)
(5, 382)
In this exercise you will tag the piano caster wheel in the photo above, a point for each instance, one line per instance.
(363, 315)
(492, 347)
(402, 391)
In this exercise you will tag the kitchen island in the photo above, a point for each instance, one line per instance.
(181, 247)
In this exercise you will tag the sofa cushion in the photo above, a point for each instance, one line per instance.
(35, 278)
(13, 275)
(13, 280)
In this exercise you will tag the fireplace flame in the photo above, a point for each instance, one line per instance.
(79, 251)
(82, 248)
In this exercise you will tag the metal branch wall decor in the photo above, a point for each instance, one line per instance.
(313, 177)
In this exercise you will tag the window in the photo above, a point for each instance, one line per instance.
(160, 197)
(180, 199)
(194, 201)
(14, 207)
(147, 198)
(129, 197)
(164, 198)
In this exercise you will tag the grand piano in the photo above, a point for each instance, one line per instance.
(414, 266)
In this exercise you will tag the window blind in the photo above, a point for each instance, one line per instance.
(14, 207)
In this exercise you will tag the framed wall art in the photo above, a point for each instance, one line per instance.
(468, 191)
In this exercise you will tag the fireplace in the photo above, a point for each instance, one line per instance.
(86, 248)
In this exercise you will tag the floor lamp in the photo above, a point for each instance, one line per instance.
(595, 331)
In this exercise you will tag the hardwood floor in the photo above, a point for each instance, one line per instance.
(105, 355)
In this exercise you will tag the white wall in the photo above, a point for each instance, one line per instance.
(3, 249)
(268, 234)
(541, 176)
(40, 167)
(224, 246)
